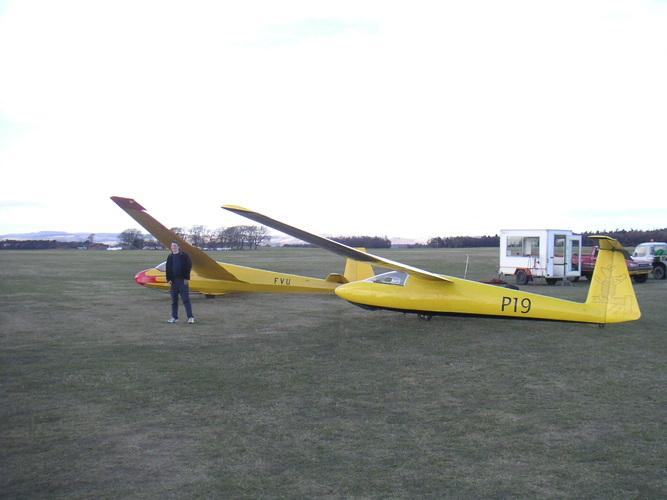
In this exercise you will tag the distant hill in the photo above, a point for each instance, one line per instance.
(108, 238)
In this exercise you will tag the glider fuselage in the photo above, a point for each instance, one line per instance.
(611, 297)
(249, 281)
(468, 298)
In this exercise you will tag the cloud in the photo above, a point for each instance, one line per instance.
(461, 119)
(304, 30)
(12, 204)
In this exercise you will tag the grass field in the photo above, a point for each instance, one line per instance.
(306, 396)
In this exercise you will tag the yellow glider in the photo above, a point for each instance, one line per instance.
(611, 297)
(217, 278)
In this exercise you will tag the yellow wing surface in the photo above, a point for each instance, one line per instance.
(611, 297)
(334, 246)
(210, 277)
(202, 264)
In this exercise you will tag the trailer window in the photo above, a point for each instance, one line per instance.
(523, 246)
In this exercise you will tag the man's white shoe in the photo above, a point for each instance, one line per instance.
(172, 320)
(191, 320)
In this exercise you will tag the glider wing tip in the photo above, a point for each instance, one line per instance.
(235, 208)
(127, 203)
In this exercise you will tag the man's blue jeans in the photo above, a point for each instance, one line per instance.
(178, 287)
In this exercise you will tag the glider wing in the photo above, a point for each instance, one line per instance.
(202, 264)
(334, 246)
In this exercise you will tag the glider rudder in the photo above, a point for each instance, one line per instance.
(611, 286)
(358, 271)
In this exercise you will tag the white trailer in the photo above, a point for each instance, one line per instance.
(553, 254)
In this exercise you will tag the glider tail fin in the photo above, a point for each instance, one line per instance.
(611, 287)
(354, 271)
(358, 271)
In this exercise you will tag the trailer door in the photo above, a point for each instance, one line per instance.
(573, 255)
(557, 255)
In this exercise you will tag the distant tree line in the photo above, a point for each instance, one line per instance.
(627, 238)
(242, 237)
(234, 238)
(630, 238)
(40, 244)
(464, 242)
(351, 241)
(364, 241)
(50, 244)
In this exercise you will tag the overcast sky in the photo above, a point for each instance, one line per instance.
(411, 119)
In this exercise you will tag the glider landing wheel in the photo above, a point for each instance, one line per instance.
(424, 317)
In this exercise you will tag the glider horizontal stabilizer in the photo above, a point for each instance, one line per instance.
(334, 246)
(202, 264)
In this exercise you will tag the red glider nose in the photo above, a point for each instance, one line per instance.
(143, 278)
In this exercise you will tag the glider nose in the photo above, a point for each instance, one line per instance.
(355, 292)
(143, 278)
(152, 278)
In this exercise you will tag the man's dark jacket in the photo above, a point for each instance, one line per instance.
(186, 266)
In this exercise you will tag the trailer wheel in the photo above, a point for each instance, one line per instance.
(521, 277)
(659, 272)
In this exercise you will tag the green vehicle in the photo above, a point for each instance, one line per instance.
(655, 253)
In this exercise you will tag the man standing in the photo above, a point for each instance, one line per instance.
(179, 266)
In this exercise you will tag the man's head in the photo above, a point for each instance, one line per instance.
(175, 247)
